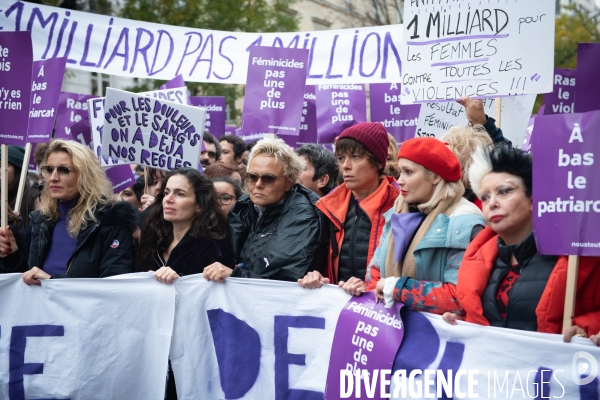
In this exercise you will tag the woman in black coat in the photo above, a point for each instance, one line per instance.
(185, 231)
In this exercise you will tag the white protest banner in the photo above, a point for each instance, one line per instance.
(177, 95)
(151, 132)
(85, 339)
(477, 49)
(435, 119)
(118, 46)
(258, 339)
(96, 110)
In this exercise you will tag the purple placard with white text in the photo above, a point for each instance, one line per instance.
(215, 113)
(566, 208)
(367, 337)
(526, 146)
(174, 83)
(586, 91)
(45, 90)
(120, 176)
(230, 129)
(16, 62)
(276, 77)
(250, 137)
(399, 120)
(338, 107)
(308, 121)
(72, 108)
(80, 132)
(562, 99)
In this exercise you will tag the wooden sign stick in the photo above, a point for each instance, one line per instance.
(571, 292)
(23, 178)
(498, 111)
(4, 189)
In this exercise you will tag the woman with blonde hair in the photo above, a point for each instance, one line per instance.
(79, 232)
(426, 232)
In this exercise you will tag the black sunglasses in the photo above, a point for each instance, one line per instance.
(62, 172)
(266, 179)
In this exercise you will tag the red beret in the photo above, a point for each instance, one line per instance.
(434, 155)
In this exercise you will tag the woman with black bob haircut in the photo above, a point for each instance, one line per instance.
(185, 231)
(503, 281)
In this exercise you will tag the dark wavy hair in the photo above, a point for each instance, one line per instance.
(324, 163)
(350, 146)
(210, 222)
(513, 161)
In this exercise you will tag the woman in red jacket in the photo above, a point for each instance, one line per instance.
(503, 280)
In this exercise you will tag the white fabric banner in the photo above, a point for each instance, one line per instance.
(85, 339)
(118, 46)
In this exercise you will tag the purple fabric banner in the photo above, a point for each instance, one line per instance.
(272, 103)
(174, 83)
(308, 122)
(230, 129)
(566, 208)
(72, 108)
(367, 337)
(586, 90)
(399, 120)
(120, 176)
(45, 90)
(339, 107)
(16, 62)
(562, 99)
(215, 113)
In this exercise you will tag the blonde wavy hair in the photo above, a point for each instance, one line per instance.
(464, 142)
(443, 190)
(272, 146)
(95, 190)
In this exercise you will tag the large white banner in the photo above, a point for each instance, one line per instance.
(119, 46)
(85, 339)
(476, 48)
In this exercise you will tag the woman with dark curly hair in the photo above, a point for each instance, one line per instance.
(185, 232)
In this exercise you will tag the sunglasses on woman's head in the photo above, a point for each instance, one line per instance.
(266, 179)
(48, 170)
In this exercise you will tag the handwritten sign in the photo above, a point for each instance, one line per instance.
(96, 111)
(151, 132)
(476, 48)
(566, 208)
(399, 120)
(562, 98)
(45, 90)
(339, 107)
(275, 78)
(178, 95)
(72, 108)
(16, 60)
(118, 46)
(216, 113)
(436, 118)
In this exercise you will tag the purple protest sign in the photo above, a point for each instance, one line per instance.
(339, 107)
(230, 129)
(308, 121)
(80, 132)
(276, 76)
(120, 176)
(367, 337)
(586, 91)
(251, 137)
(215, 113)
(45, 90)
(16, 61)
(72, 108)
(174, 83)
(567, 207)
(399, 120)
(562, 99)
(32, 164)
(527, 140)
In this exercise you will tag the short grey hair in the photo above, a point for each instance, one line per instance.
(271, 146)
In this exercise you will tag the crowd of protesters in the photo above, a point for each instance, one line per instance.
(442, 225)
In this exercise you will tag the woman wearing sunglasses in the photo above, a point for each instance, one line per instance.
(275, 231)
(80, 231)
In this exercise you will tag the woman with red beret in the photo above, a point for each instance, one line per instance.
(427, 232)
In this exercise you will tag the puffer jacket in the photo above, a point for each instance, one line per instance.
(104, 248)
(289, 239)
(335, 206)
(479, 262)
